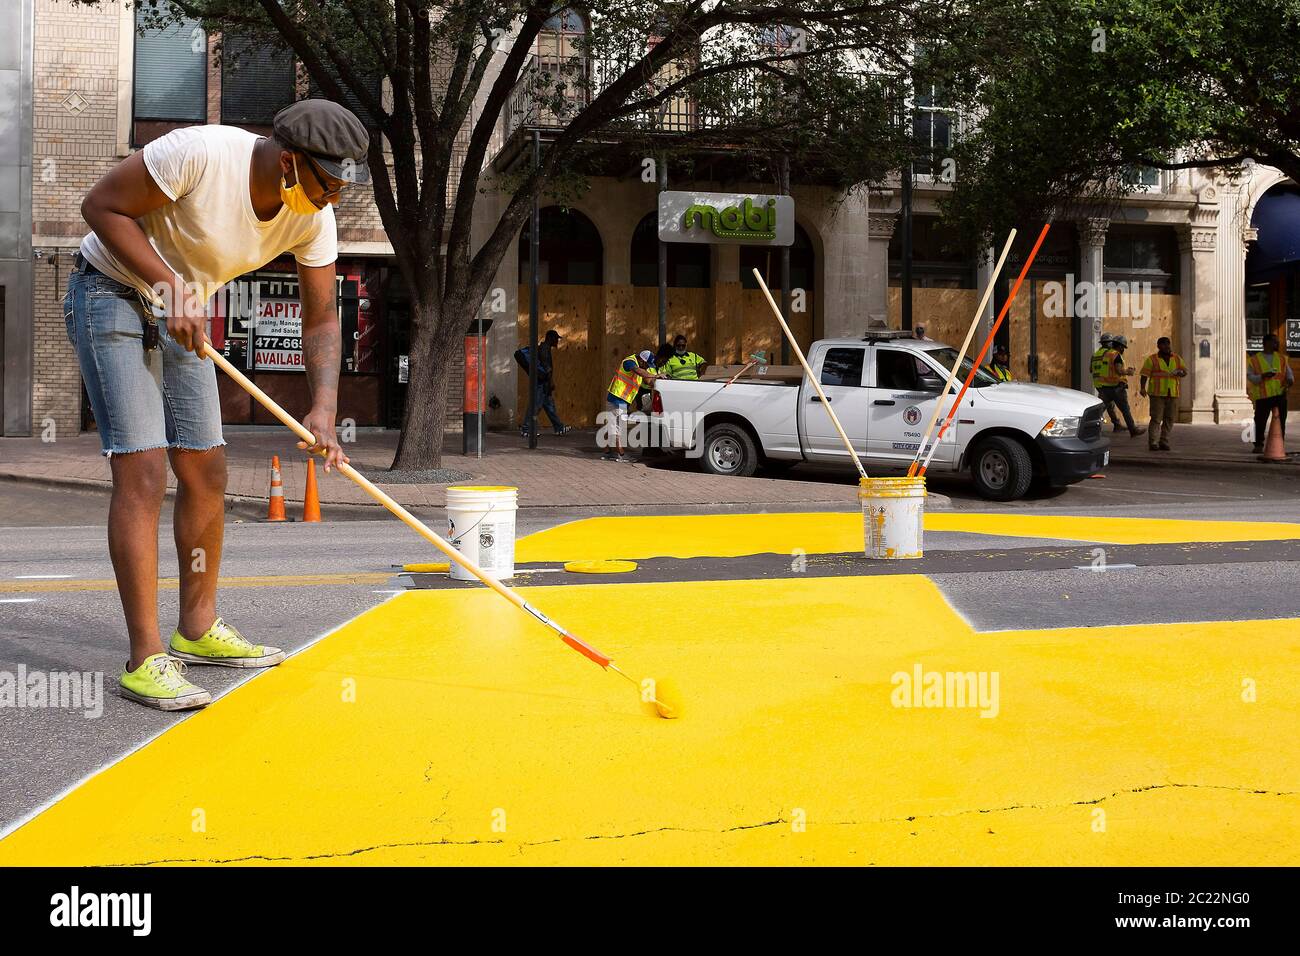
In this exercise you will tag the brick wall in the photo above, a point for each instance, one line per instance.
(75, 93)
(76, 141)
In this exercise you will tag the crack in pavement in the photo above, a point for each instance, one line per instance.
(520, 846)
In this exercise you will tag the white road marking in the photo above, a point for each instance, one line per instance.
(18, 600)
(1176, 494)
(1102, 567)
(40, 577)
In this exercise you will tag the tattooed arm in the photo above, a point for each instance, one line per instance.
(322, 352)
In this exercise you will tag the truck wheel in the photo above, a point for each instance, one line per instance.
(728, 450)
(1002, 469)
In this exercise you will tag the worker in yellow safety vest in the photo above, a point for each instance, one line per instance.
(1268, 376)
(1159, 382)
(1001, 367)
(631, 372)
(1108, 374)
(682, 365)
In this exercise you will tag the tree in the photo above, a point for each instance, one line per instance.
(803, 79)
(1078, 93)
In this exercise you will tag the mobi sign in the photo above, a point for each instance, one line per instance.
(726, 218)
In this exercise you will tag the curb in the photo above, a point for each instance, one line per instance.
(1208, 464)
(934, 500)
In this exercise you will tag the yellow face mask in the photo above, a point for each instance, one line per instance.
(295, 197)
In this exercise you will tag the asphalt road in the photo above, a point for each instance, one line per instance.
(55, 539)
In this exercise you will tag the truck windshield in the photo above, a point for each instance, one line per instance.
(946, 356)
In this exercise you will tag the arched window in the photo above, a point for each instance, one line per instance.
(688, 263)
(571, 252)
(767, 260)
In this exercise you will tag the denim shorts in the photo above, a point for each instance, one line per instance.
(165, 398)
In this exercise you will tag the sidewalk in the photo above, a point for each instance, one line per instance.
(1209, 446)
(560, 472)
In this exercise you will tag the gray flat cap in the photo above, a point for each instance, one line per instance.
(330, 134)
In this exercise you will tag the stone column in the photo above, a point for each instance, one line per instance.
(1092, 247)
(846, 286)
(881, 231)
(1230, 400)
(1200, 325)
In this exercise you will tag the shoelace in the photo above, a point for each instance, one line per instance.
(170, 672)
(227, 634)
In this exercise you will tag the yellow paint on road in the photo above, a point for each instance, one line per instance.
(171, 584)
(444, 727)
(734, 535)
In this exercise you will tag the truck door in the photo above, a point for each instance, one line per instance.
(840, 370)
(902, 396)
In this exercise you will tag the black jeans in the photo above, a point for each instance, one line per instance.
(1117, 396)
(1263, 409)
(544, 400)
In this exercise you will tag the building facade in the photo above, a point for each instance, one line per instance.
(1210, 259)
(105, 85)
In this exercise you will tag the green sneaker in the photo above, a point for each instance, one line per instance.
(224, 646)
(160, 683)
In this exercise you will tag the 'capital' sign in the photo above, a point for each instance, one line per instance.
(726, 217)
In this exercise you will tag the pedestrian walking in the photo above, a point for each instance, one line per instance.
(544, 397)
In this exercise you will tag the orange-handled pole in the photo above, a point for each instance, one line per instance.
(1002, 314)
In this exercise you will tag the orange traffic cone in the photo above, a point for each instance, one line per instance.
(275, 507)
(311, 497)
(1275, 447)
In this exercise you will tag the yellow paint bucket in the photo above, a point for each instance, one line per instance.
(893, 510)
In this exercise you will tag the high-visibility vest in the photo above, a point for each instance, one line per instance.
(625, 385)
(1162, 376)
(1259, 363)
(684, 367)
(1103, 368)
(1000, 372)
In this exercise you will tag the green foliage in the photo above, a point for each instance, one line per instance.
(1070, 94)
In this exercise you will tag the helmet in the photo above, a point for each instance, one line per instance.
(1119, 341)
(645, 355)
(1106, 339)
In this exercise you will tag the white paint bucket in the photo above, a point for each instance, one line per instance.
(481, 526)
(893, 513)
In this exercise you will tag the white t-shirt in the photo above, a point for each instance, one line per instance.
(209, 233)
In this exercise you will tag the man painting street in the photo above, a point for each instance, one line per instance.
(201, 205)
(1160, 376)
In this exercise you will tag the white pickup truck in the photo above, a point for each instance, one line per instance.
(884, 388)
